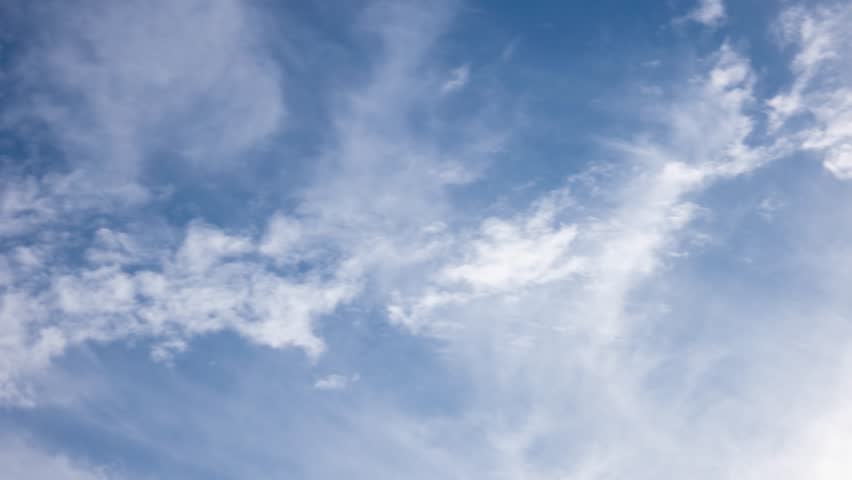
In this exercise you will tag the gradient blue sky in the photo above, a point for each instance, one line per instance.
(425, 240)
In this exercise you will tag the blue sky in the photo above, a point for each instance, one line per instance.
(454, 239)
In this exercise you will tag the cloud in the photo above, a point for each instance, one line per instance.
(547, 311)
(608, 253)
(31, 202)
(384, 178)
(146, 85)
(212, 281)
(502, 257)
(120, 88)
(507, 259)
(335, 382)
(24, 462)
(269, 287)
(143, 87)
(820, 96)
(509, 50)
(458, 79)
(708, 12)
(282, 238)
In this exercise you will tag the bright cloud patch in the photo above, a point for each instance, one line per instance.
(821, 94)
(212, 281)
(708, 12)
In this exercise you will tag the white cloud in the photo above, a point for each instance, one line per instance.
(769, 207)
(335, 382)
(505, 259)
(502, 257)
(385, 179)
(146, 84)
(603, 257)
(25, 462)
(212, 281)
(821, 88)
(509, 50)
(838, 161)
(708, 12)
(547, 311)
(282, 238)
(206, 246)
(458, 79)
(28, 202)
(144, 87)
(365, 215)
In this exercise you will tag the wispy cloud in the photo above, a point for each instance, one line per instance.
(211, 281)
(509, 50)
(708, 12)
(458, 79)
(599, 325)
(145, 84)
(335, 382)
(819, 89)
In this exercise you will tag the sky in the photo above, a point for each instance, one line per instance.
(417, 240)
